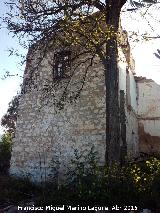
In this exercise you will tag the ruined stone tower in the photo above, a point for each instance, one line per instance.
(45, 134)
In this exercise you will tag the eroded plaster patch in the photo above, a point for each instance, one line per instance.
(148, 143)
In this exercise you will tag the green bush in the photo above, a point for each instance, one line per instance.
(101, 185)
(5, 153)
(88, 183)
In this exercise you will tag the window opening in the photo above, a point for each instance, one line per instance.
(62, 64)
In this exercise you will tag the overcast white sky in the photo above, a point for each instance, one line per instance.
(146, 63)
(143, 52)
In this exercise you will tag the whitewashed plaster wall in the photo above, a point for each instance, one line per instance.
(128, 84)
(132, 119)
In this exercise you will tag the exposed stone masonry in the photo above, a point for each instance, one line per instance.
(45, 134)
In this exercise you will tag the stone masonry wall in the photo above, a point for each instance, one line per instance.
(45, 134)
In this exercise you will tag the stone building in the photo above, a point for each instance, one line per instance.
(45, 134)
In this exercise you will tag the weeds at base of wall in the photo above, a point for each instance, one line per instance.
(88, 183)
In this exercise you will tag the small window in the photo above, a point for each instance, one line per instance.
(62, 64)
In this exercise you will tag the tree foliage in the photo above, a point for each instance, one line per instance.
(42, 20)
(8, 121)
(5, 152)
